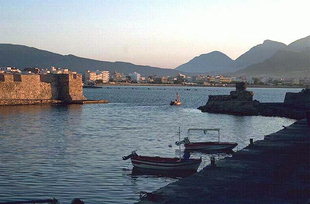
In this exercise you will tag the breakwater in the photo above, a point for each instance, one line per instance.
(240, 102)
(269, 171)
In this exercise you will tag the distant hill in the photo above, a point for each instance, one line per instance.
(270, 58)
(208, 63)
(284, 63)
(258, 53)
(22, 56)
(302, 44)
(291, 61)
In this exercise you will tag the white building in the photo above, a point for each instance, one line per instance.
(135, 77)
(103, 76)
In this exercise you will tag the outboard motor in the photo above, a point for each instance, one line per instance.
(133, 153)
(184, 141)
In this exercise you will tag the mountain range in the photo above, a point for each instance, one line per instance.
(22, 57)
(270, 58)
(291, 61)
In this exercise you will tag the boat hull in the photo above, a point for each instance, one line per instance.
(174, 103)
(165, 164)
(210, 146)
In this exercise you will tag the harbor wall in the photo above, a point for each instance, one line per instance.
(240, 102)
(301, 99)
(20, 88)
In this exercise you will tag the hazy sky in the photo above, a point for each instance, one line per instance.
(164, 33)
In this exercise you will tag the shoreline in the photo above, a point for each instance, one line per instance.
(180, 85)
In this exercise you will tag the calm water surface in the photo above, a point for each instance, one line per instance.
(75, 151)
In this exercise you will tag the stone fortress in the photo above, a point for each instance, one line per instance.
(17, 89)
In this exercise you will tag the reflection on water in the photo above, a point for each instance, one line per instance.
(76, 151)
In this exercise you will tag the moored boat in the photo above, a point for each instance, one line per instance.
(163, 163)
(210, 146)
(207, 146)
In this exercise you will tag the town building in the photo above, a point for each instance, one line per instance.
(97, 76)
(9, 70)
(135, 77)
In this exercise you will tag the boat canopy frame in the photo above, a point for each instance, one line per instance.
(205, 130)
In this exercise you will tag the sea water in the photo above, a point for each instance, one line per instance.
(76, 151)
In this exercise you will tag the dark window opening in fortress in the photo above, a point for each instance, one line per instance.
(74, 76)
(1, 78)
(17, 77)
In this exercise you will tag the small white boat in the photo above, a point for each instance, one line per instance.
(207, 146)
(162, 163)
(177, 101)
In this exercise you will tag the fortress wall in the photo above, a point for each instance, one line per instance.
(76, 87)
(16, 86)
(65, 87)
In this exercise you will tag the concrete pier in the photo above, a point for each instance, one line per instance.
(275, 170)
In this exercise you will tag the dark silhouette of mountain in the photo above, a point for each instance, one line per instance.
(302, 44)
(284, 63)
(208, 63)
(22, 56)
(258, 53)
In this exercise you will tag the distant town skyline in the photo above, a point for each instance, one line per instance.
(157, 33)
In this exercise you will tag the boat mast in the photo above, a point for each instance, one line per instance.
(178, 97)
(179, 132)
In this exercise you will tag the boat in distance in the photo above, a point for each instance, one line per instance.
(207, 146)
(177, 101)
(163, 163)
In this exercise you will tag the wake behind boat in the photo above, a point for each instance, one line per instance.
(208, 146)
(163, 163)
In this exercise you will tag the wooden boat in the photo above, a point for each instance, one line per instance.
(163, 163)
(207, 146)
(177, 101)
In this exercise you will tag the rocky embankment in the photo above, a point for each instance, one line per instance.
(240, 102)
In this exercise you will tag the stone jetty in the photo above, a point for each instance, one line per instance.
(240, 102)
(275, 170)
